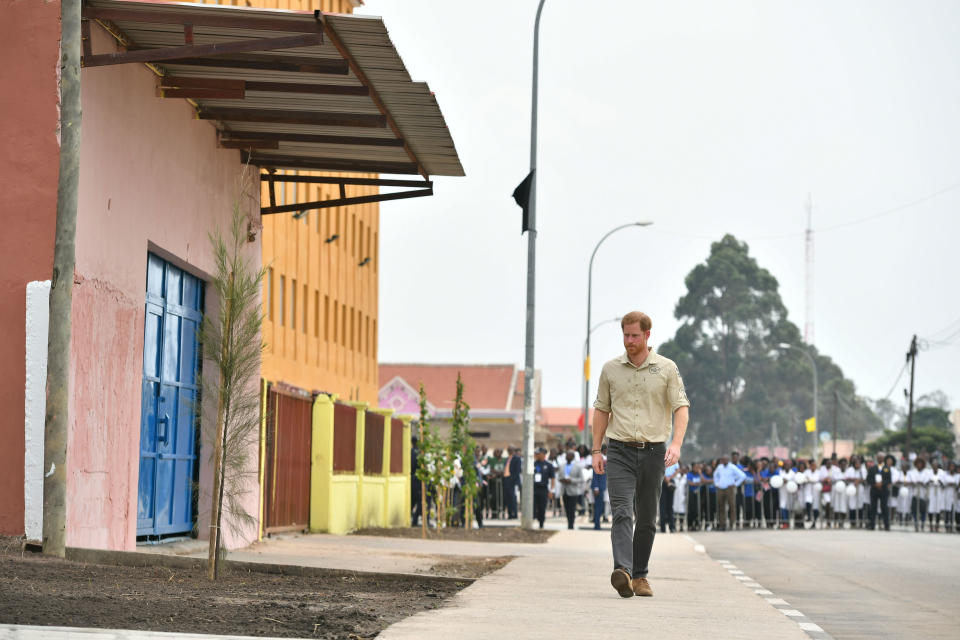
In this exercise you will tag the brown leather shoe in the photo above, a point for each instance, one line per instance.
(620, 580)
(641, 587)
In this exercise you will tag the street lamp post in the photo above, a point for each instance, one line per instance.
(813, 367)
(586, 359)
(529, 417)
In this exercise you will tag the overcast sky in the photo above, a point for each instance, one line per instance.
(705, 118)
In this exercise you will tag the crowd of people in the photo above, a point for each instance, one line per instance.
(733, 492)
(854, 492)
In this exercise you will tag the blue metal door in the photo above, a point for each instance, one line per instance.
(168, 453)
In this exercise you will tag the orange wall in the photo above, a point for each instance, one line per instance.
(29, 157)
(335, 350)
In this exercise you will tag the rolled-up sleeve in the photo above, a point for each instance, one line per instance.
(603, 393)
(675, 391)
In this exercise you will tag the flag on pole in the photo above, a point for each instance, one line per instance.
(521, 196)
(580, 422)
(811, 424)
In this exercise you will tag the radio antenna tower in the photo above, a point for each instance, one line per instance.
(808, 324)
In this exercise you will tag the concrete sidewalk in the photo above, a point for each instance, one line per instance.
(563, 588)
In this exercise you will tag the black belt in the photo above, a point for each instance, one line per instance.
(636, 445)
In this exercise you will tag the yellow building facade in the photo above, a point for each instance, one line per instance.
(320, 289)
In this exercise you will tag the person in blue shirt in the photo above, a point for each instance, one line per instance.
(694, 480)
(739, 464)
(770, 498)
(751, 508)
(726, 479)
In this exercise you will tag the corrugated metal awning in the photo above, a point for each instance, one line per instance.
(292, 90)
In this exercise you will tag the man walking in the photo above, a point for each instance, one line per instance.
(639, 394)
(543, 475)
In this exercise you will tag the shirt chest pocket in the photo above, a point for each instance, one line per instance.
(653, 384)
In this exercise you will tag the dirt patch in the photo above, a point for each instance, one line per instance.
(486, 534)
(42, 591)
(468, 566)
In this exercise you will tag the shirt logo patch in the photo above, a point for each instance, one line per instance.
(654, 368)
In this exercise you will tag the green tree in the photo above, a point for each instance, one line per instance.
(231, 343)
(434, 469)
(462, 444)
(928, 416)
(932, 430)
(926, 438)
(738, 381)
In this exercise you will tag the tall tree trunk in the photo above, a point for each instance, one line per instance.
(61, 287)
(216, 503)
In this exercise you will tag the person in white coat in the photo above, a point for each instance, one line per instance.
(903, 491)
(839, 492)
(851, 477)
(858, 472)
(938, 494)
(919, 479)
(680, 497)
(811, 493)
(825, 478)
(949, 506)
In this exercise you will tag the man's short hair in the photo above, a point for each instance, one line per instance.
(637, 317)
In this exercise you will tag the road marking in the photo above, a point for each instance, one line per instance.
(813, 630)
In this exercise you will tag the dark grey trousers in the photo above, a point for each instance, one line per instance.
(634, 477)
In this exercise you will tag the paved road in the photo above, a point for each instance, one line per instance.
(855, 584)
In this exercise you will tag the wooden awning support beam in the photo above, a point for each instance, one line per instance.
(187, 51)
(269, 140)
(284, 116)
(202, 19)
(345, 180)
(222, 88)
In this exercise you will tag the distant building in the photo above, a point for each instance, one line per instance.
(494, 393)
(562, 424)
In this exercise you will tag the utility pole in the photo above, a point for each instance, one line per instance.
(836, 428)
(912, 357)
(61, 287)
(529, 405)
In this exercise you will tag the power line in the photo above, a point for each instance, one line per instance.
(893, 210)
(834, 227)
(897, 381)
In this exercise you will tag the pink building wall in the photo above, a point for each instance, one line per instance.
(29, 157)
(151, 179)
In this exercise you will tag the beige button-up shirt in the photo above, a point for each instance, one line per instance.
(641, 400)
